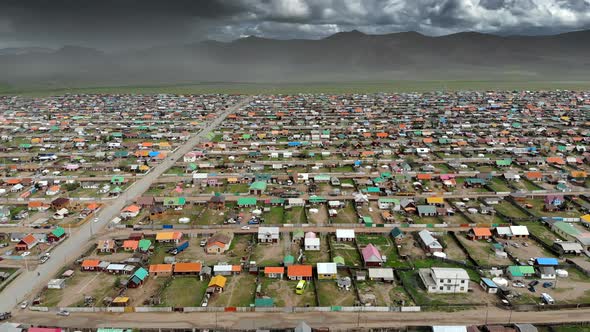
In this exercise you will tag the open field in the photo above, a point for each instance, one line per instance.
(184, 292)
(283, 293)
(239, 292)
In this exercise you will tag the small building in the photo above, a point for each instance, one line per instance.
(519, 272)
(479, 233)
(218, 243)
(397, 234)
(247, 202)
(568, 248)
(274, 272)
(268, 234)
(56, 284)
(226, 269)
(216, 284)
(299, 272)
(60, 203)
(106, 246)
(546, 272)
(429, 242)
(488, 285)
(381, 274)
(327, 270)
(187, 268)
(257, 188)
(346, 235)
(426, 210)
(371, 256)
(217, 202)
(130, 245)
(312, 244)
(90, 265)
(161, 270)
(27, 243)
(174, 237)
(138, 278)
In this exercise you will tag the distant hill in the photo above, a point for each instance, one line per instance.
(342, 56)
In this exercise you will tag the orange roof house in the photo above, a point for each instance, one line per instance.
(556, 160)
(274, 271)
(187, 268)
(535, 175)
(168, 236)
(424, 176)
(161, 269)
(299, 272)
(480, 233)
(130, 245)
(93, 206)
(90, 264)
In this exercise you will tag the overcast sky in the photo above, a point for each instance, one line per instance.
(119, 24)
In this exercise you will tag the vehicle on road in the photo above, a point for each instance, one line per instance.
(95, 220)
(546, 298)
(25, 254)
(203, 242)
(245, 228)
(63, 313)
(24, 304)
(5, 316)
(43, 259)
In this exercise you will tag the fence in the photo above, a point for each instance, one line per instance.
(229, 309)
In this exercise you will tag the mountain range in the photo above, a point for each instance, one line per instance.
(343, 56)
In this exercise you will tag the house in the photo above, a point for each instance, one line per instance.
(397, 234)
(187, 268)
(426, 210)
(257, 188)
(345, 235)
(56, 284)
(297, 236)
(216, 284)
(275, 272)
(60, 203)
(389, 204)
(444, 280)
(519, 232)
(27, 243)
(130, 245)
(106, 246)
(56, 235)
(312, 243)
(146, 201)
(90, 265)
(519, 272)
(299, 272)
(327, 270)
(428, 242)
(174, 237)
(488, 286)
(53, 190)
(247, 202)
(217, 202)
(568, 248)
(130, 211)
(268, 234)
(163, 270)
(511, 176)
(226, 269)
(144, 245)
(546, 272)
(436, 201)
(381, 274)
(371, 256)
(479, 233)
(218, 243)
(138, 278)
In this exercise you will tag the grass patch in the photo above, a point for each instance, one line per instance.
(184, 292)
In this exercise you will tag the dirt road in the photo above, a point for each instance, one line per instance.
(333, 320)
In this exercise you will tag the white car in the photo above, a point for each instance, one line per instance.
(24, 304)
(95, 219)
(245, 228)
(25, 254)
(63, 313)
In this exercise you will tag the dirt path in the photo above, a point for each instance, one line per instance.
(333, 320)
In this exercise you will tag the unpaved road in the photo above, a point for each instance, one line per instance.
(333, 320)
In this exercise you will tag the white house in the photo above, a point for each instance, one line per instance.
(345, 235)
(268, 234)
(445, 280)
(381, 274)
(312, 243)
(327, 270)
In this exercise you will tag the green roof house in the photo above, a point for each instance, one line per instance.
(174, 201)
(246, 201)
(257, 188)
(144, 245)
(117, 179)
(289, 260)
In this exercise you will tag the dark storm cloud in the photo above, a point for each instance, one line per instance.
(136, 23)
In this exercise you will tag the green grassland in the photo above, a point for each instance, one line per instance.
(292, 88)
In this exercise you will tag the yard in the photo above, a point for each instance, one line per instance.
(383, 294)
(95, 284)
(386, 247)
(295, 215)
(541, 231)
(274, 216)
(184, 291)
(509, 210)
(320, 217)
(239, 292)
(346, 215)
(283, 293)
(539, 203)
(482, 252)
(267, 254)
(330, 295)
(346, 250)
(238, 248)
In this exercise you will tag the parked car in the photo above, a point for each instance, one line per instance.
(547, 284)
(532, 289)
(518, 284)
(24, 304)
(534, 283)
(25, 254)
(245, 228)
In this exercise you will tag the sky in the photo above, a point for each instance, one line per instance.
(128, 24)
